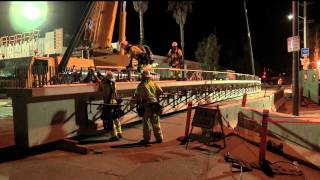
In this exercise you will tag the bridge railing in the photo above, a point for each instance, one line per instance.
(43, 75)
(178, 74)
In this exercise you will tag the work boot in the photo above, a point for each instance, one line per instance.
(159, 141)
(144, 142)
(119, 135)
(114, 138)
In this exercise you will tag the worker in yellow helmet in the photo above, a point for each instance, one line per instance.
(148, 93)
(175, 58)
(109, 113)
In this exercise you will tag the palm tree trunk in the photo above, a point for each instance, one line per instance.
(141, 27)
(182, 41)
(182, 47)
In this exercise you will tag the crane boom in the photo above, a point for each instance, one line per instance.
(76, 37)
(105, 26)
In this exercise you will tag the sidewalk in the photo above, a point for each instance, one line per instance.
(124, 160)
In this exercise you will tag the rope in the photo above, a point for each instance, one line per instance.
(287, 121)
(297, 117)
(294, 122)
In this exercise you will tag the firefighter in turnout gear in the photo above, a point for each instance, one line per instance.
(175, 58)
(140, 55)
(110, 121)
(148, 93)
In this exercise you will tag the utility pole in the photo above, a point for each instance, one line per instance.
(304, 24)
(249, 36)
(295, 64)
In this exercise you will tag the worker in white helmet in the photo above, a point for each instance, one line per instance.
(110, 114)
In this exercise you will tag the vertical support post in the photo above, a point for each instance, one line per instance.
(185, 138)
(244, 99)
(20, 122)
(305, 24)
(263, 136)
(174, 100)
(188, 119)
(295, 64)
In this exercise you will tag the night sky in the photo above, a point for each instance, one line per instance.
(268, 21)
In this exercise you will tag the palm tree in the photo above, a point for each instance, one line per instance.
(141, 7)
(180, 10)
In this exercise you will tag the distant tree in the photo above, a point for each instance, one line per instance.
(180, 10)
(208, 53)
(141, 7)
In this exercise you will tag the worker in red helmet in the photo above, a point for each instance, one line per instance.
(175, 58)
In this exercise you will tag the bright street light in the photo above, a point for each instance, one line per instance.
(30, 11)
(27, 15)
(290, 17)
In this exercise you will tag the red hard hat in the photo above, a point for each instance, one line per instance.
(174, 44)
(124, 42)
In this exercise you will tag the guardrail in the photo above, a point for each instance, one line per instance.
(189, 74)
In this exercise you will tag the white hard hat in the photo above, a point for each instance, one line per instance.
(110, 76)
(174, 44)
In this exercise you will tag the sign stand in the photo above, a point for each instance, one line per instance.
(206, 119)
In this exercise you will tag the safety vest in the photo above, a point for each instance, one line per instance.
(148, 91)
(109, 91)
(175, 57)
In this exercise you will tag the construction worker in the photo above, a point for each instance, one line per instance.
(147, 93)
(108, 87)
(139, 55)
(175, 58)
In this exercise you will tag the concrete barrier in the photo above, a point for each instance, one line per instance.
(271, 102)
(300, 133)
(303, 131)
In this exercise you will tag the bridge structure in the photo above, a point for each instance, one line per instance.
(50, 112)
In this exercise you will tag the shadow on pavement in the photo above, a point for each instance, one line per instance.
(217, 149)
(131, 145)
(12, 153)
(96, 141)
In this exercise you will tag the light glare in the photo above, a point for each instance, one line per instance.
(27, 15)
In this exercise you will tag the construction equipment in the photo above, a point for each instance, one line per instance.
(93, 37)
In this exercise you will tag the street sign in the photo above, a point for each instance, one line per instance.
(304, 52)
(293, 43)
